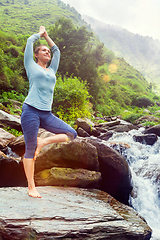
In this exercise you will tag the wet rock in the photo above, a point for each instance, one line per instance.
(82, 133)
(101, 129)
(95, 132)
(10, 120)
(116, 175)
(18, 145)
(74, 154)
(5, 138)
(85, 124)
(108, 124)
(68, 177)
(67, 213)
(154, 129)
(148, 139)
(123, 128)
(106, 136)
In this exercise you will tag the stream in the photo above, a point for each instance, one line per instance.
(144, 162)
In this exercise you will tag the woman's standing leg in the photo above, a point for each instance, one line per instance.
(30, 126)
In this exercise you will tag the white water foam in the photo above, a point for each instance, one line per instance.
(144, 161)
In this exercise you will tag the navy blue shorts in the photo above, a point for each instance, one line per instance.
(32, 119)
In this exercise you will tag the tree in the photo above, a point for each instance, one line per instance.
(78, 55)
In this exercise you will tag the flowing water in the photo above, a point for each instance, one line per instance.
(144, 161)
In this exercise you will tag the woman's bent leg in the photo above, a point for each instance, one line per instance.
(57, 138)
(63, 132)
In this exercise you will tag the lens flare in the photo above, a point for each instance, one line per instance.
(112, 68)
(106, 78)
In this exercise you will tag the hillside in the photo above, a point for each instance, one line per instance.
(139, 51)
(25, 16)
(112, 83)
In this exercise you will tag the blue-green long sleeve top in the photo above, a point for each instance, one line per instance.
(41, 81)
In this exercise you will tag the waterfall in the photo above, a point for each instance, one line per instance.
(144, 162)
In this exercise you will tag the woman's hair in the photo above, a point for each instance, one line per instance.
(37, 50)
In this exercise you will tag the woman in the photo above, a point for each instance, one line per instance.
(36, 110)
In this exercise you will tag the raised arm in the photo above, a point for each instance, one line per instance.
(55, 50)
(28, 54)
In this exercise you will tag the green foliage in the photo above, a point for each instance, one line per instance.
(149, 124)
(11, 63)
(12, 95)
(132, 117)
(13, 131)
(25, 16)
(142, 101)
(112, 83)
(78, 56)
(71, 99)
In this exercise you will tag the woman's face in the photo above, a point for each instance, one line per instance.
(43, 54)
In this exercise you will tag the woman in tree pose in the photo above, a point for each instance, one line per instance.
(36, 110)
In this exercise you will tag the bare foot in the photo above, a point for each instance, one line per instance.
(40, 145)
(34, 193)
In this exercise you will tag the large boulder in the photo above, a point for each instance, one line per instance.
(5, 138)
(10, 120)
(116, 175)
(68, 213)
(74, 154)
(68, 177)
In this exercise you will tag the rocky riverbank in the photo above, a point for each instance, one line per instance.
(86, 162)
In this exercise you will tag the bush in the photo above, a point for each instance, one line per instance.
(132, 117)
(142, 101)
(71, 99)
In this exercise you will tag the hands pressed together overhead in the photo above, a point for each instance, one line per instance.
(43, 32)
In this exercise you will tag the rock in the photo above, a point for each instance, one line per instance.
(85, 124)
(148, 139)
(82, 133)
(157, 103)
(18, 145)
(123, 128)
(68, 213)
(106, 136)
(146, 118)
(154, 129)
(68, 177)
(10, 120)
(146, 111)
(11, 172)
(74, 154)
(108, 124)
(3, 154)
(116, 175)
(101, 129)
(95, 132)
(157, 112)
(5, 138)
